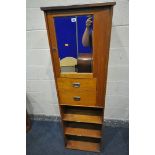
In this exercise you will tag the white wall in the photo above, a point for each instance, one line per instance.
(41, 92)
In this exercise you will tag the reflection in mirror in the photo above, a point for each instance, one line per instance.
(74, 41)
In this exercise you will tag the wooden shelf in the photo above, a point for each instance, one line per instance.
(83, 132)
(100, 107)
(81, 145)
(83, 118)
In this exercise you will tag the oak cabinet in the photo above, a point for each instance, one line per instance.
(79, 40)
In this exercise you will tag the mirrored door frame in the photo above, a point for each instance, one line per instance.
(102, 31)
(54, 48)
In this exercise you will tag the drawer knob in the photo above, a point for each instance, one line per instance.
(76, 98)
(76, 85)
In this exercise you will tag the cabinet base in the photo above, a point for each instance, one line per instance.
(85, 146)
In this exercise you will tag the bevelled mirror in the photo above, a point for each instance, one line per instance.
(74, 41)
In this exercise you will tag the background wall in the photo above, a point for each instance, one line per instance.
(41, 92)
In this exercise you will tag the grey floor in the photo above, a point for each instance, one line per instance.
(46, 138)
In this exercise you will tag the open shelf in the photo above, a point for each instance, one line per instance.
(83, 129)
(82, 114)
(101, 107)
(82, 143)
(82, 118)
(83, 132)
(85, 146)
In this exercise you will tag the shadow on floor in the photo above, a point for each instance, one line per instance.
(46, 138)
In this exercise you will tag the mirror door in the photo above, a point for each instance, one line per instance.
(74, 41)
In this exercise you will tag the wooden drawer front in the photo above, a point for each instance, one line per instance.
(76, 84)
(78, 98)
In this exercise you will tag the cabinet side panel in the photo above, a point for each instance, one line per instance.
(101, 44)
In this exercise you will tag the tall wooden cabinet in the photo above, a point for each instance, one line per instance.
(80, 69)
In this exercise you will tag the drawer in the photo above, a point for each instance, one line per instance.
(76, 84)
(78, 98)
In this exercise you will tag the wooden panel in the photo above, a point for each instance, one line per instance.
(84, 84)
(68, 13)
(86, 146)
(76, 105)
(82, 118)
(86, 98)
(76, 75)
(83, 132)
(81, 6)
(101, 44)
(53, 45)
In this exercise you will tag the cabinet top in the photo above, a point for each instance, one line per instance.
(81, 6)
